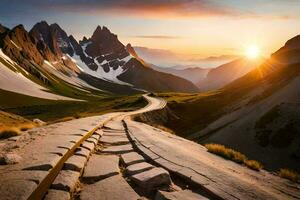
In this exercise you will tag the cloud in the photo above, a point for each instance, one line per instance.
(151, 8)
(142, 8)
(157, 37)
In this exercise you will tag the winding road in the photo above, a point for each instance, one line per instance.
(113, 157)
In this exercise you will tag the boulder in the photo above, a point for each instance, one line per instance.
(131, 158)
(152, 179)
(39, 122)
(138, 168)
(10, 159)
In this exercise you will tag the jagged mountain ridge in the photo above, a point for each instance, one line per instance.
(104, 56)
(46, 55)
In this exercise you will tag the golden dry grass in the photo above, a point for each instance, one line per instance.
(11, 125)
(253, 164)
(9, 132)
(289, 174)
(225, 152)
(25, 127)
(233, 155)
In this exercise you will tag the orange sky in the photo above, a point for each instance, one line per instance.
(187, 27)
(212, 36)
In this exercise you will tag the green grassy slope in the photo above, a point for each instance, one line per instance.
(56, 110)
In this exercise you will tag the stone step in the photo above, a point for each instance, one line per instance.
(98, 132)
(83, 152)
(75, 163)
(120, 149)
(138, 168)
(114, 140)
(57, 195)
(93, 140)
(100, 167)
(179, 195)
(88, 145)
(131, 158)
(152, 179)
(115, 125)
(96, 136)
(16, 189)
(48, 162)
(115, 133)
(66, 181)
(112, 188)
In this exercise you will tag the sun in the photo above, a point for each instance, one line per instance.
(252, 52)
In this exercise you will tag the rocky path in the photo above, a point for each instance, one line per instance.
(113, 157)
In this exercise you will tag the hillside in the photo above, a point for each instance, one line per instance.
(226, 73)
(152, 80)
(257, 114)
(193, 74)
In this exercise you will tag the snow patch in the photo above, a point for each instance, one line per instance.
(100, 73)
(126, 59)
(84, 48)
(15, 45)
(6, 58)
(62, 43)
(72, 79)
(17, 82)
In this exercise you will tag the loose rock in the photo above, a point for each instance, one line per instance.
(152, 179)
(10, 159)
(131, 158)
(138, 168)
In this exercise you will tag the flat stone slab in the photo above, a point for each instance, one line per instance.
(114, 133)
(179, 195)
(66, 180)
(219, 177)
(131, 158)
(96, 136)
(83, 152)
(114, 140)
(57, 195)
(117, 125)
(98, 132)
(138, 168)
(93, 140)
(112, 188)
(41, 149)
(88, 145)
(50, 160)
(152, 179)
(120, 149)
(11, 190)
(101, 166)
(75, 163)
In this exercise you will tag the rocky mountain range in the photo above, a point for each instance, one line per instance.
(193, 74)
(47, 55)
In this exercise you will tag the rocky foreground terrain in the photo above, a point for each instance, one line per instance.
(113, 157)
